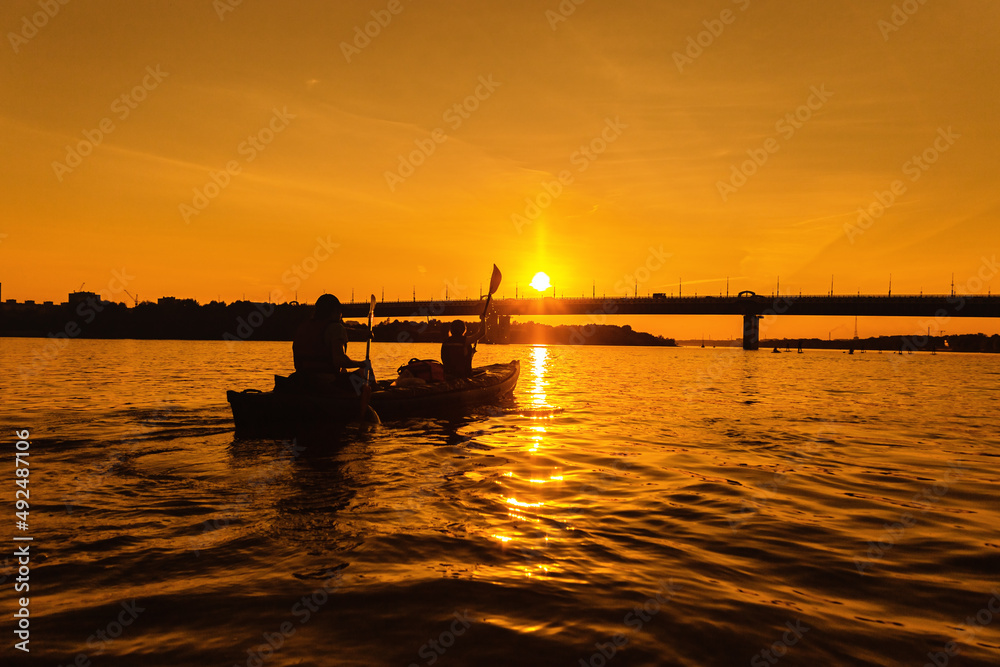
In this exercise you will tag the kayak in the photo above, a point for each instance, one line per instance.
(281, 411)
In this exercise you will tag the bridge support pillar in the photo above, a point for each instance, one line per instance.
(751, 332)
(497, 329)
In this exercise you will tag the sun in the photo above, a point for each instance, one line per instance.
(541, 282)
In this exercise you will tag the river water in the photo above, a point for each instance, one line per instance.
(629, 506)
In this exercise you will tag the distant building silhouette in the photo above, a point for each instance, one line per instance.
(82, 297)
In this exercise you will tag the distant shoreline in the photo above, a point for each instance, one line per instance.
(908, 343)
(433, 332)
(86, 316)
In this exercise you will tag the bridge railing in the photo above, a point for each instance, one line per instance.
(685, 298)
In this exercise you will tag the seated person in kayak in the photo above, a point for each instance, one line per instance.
(457, 349)
(319, 349)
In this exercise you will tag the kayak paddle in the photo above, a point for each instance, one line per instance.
(494, 286)
(366, 390)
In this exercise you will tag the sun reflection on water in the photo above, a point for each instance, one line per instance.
(530, 484)
(539, 377)
(514, 501)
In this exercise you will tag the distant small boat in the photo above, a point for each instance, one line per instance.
(775, 350)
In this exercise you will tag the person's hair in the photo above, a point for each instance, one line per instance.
(326, 306)
(457, 328)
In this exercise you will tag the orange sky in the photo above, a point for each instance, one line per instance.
(644, 126)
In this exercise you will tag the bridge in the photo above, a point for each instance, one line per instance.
(751, 307)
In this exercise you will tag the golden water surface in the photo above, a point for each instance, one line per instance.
(629, 506)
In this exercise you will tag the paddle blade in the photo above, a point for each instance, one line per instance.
(495, 280)
(366, 395)
(371, 308)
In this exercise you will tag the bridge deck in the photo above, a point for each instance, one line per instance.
(867, 306)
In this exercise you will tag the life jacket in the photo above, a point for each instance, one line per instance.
(310, 352)
(456, 355)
